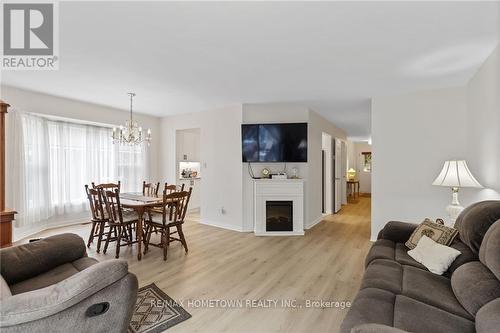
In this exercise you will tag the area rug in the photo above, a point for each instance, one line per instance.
(155, 311)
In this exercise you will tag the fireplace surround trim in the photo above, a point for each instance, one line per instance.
(278, 190)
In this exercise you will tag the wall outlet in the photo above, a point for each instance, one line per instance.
(222, 210)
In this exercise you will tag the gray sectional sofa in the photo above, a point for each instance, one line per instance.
(398, 294)
(52, 286)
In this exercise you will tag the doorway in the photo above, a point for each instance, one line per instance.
(327, 166)
(334, 173)
(340, 172)
(188, 165)
(360, 164)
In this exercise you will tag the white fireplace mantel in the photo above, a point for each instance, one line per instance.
(278, 190)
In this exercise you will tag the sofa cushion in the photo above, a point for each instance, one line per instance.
(474, 286)
(371, 305)
(413, 282)
(378, 306)
(431, 289)
(375, 328)
(387, 249)
(487, 318)
(53, 276)
(466, 256)
(4, 289)
(414, 316)
(489, 254)
(383, 274)
(396, 231)
(475, 220)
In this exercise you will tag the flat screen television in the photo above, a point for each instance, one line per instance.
(274, 142)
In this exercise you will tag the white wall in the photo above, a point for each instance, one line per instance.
(269, 113)
(188, 143)
(310, 171)
(317, 126)
(220, 157)
(483, 129)
(412, 135)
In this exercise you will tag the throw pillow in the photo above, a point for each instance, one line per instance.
(435, 257)
(437, 232)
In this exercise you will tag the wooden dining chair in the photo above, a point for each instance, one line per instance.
(174, 208)
(99, 217)
(173, 188)
(107, 186)
(150, 189)
(169, 189)
(120, 222)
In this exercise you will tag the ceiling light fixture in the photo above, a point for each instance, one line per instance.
(131, 133)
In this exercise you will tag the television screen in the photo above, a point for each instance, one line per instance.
(271, 143)
(250, 143)
(295, 143)
(274, 142)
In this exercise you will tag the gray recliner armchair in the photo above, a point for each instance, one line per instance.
(52, 286)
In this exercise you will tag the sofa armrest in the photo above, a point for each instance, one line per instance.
(45, 302)
(487, 318)
(19, 263)
(375, 328)
(398, 232)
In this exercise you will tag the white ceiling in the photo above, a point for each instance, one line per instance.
(332, 57)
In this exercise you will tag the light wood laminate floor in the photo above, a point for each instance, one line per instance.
(325, 264)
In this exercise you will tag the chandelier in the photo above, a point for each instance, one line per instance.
(131, 133)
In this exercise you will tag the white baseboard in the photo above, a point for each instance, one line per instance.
(222, 225)
(313, 223)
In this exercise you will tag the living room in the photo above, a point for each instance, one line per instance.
(243, 167)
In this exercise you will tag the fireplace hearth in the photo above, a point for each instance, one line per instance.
(279, 215)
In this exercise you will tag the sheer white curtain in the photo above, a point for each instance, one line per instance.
(55, 159)
(132, 165)
(78, 155)
(28, 166)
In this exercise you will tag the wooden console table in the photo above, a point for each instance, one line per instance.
(6, 214)
(354, 187)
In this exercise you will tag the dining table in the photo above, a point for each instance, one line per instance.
(140, 204)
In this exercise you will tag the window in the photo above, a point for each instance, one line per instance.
(61, 157)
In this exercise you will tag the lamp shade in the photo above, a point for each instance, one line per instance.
(456, 174)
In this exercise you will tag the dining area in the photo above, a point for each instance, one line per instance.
(153, 217)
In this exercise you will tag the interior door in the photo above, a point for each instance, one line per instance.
(343, 167)
(337, 204)
(323, 171)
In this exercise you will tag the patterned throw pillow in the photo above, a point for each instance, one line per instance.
(439, 233)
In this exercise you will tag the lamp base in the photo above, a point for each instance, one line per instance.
(453, 212)
(455, 208)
